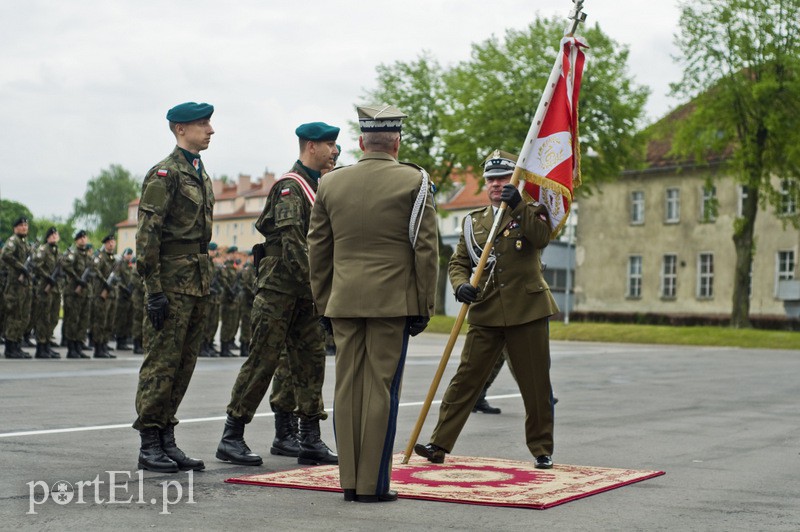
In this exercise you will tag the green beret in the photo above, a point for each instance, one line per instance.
(233, 249)
(80, 234)
(128, 251)
(108, 237)
(189, 112)
(19, 221)
(212, 246)
(318, 131)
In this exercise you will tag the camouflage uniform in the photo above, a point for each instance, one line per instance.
(175, 217)
(247, 280)
(124, 309)
(283, 314)
(103, 303)
(229, 306)
(86, 316)
(137, 310)
(76, 295)
(18, 290)
(48, 292)
(211, 323)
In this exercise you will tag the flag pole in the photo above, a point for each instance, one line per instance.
(577, 16)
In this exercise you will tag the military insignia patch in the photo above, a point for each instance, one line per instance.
(518, 245)
(286, 191)
(162, 172)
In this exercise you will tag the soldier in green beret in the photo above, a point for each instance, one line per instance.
(283, 313)
(105, 297)
(174, 229)
(46, 263)
(18, 290)
(123, 313)
(229, 306)
(137, 306)
(211, 323)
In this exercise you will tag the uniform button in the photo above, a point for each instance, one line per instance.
(502, 285)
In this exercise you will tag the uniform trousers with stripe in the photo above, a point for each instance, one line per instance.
(370, 356)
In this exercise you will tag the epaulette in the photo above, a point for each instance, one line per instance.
(418, 167)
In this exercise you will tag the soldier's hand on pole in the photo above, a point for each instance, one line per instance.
(417, 324)
(157, 308)
(510, 195)
(466, 293)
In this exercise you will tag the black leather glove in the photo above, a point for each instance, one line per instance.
(157, 308)
(326, 324)
(466, 293)
(417, 324)
(510, 195)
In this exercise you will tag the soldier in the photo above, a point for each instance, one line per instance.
(247, 280)
(3, 276)
(510, 311)
(123, 311)
(17, 294)
(86, 317)
(47, 266)
(104, 297)
(174, 229)
(283, 313)
(76, 295)
(372, 300)
(137, 309)
(215, 297)
(229, 304)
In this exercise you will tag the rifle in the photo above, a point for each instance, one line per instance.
(108, 284)
(58, 271)
(26, 270)
(87, 274)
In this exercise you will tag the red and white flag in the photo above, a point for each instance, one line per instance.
(550, 157)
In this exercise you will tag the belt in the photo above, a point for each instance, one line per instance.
(177, 248)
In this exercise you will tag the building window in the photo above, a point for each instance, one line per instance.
(785, 270)
(637, 207)
(705, 276)
(673, 206)
(743, 193)
(556, 279)
(787, 205)
(709, 206)
(635, 276)
(669, 277)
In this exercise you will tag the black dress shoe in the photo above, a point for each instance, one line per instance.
(433, 453)
(349, 495)
(389, 496)
(544, 462)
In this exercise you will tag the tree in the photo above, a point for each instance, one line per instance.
(106, 200)
(742, 68)
(495, 94)
(39, 227)
(10, 211)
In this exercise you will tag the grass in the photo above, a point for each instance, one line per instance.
(654, 334)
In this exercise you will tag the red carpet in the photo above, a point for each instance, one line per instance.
(469, 480)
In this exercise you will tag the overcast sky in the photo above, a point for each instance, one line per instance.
(86, 84)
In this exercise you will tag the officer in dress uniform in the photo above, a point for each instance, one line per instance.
(283, 314)
(18, 293)
(373, 251)
(48, 293)
(511, 309)
(174, 229)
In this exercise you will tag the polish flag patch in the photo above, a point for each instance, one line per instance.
(286, 191)
(162, 172)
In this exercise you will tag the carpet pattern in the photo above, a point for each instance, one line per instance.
(471, 480)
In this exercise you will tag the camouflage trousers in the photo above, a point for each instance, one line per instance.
(229, 316)
(212, 320)
(123, 321)
(137, 310)
(75, 315)
(17, 297)
(169, 361)
(281, 321)
(46, 316)
(246, 330)
(102, 318)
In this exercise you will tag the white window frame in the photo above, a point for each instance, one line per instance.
(785, 263)
(669, 277)
(672, 205)
(637, 207)
(705, 278)
(743, 193)
(634, 276)
(787, 205)
(708, 195)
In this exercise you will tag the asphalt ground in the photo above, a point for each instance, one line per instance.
(724, 423)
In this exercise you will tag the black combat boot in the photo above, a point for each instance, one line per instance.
(99, 352)
(285, 442)
(80, 347)
(245, 350)
(225, 349)
(41, 351)
(50, 351)
(12, 351)
(232, 447)
(232, 345)
(209, 350)
(152, 456)
(313, 450)
(26, 340)
(482, 405)
(73, 351)
(122, 344)
(137, 347)
(175, 454)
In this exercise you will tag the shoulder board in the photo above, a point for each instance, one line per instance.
(412, 165)
(477, 211)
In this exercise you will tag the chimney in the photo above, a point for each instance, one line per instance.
(217, 186)
(243, 185)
